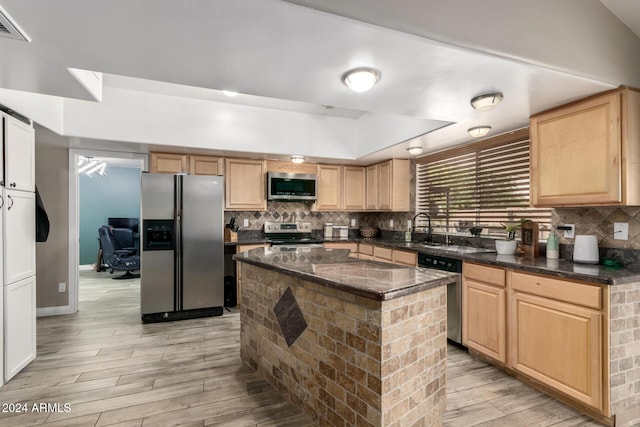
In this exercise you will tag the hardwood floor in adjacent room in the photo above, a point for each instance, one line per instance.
(112, 370)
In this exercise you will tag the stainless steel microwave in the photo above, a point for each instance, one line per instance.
(291, 187)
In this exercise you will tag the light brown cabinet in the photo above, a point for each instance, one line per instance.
(206, 165)
(245, 184)
(365, 251)
(371, 190)
(382, 254)
(353, 188)
(556, 335)
(587, 153)
(168, 163)
(405, 258)
(352, 246)
(329, 188)
(240, 249)
(484, 309)
(387, 186)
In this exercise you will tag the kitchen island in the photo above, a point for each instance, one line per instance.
(350, 341)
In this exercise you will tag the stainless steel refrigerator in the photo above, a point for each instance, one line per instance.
(182, 256)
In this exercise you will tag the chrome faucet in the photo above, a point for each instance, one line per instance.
(429, 231)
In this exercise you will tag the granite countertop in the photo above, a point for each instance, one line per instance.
(599, 274)
(332, 267)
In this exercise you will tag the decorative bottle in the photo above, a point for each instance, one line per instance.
(553, 248)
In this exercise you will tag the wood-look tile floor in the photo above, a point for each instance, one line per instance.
(112, 370)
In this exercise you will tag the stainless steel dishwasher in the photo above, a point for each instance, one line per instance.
(454, 292)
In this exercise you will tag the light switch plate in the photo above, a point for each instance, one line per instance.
(621, 231)
(245, 222)
(570, 234)
(353, 222)
(62, 287)
(390, 223)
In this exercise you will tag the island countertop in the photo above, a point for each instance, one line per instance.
(334, 268)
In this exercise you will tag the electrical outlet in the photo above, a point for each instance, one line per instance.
(621, 230)
(570, 234)
(353, 222)
(245, 222)
(391, 223)
(62, 287)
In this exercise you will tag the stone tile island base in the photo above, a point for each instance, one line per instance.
(358, 361)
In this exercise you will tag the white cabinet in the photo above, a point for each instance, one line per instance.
(19, 235)
(19, 326)
(19, 146)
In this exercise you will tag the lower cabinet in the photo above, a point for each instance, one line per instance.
(557, 335)
(405, 258)
(19, 326)
(484, 308)
(240, 249)
(365, 251)
(352, 246)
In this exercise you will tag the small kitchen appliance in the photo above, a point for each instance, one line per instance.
(585, 250)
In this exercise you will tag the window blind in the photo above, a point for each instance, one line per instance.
(484, 184)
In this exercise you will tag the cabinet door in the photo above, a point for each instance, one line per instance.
(576, 154)
(405, 258)
(382, 254)
(371, 198)
(206, 165)
(484, 318)
(354, 188)
(245, 184)
(329, 188)
(558, 344)
(19, 152)
(168, 163)
(20, 326)
(19, 235)
(385, 196)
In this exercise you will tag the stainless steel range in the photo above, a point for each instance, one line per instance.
(290, 234)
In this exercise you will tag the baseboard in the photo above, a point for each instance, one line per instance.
(53, 311)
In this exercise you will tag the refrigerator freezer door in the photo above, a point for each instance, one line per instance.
(157, 291)
(202, 242)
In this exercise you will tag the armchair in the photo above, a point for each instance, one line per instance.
(117, 257)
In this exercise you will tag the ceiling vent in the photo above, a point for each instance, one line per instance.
(8, 28)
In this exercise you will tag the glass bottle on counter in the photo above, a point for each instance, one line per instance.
(553, 247)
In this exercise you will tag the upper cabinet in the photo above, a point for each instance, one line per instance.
(168, 163)
(329, 188)
(388, 185)
(206, 165)
(587, 153)
(245, 184)
(19, 145)
(353, 188)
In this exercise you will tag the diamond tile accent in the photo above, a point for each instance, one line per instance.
(290, 317)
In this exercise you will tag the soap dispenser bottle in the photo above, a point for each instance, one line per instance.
(553, 248)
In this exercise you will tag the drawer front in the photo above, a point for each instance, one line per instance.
(405, 258)
(561, 290)
(482, 273)
(381, 253)
(353, 247)
(365, 248)
(244, 248)
(365, 256)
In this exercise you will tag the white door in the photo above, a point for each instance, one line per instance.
(19, 326)
(19, 153)
(19, 224)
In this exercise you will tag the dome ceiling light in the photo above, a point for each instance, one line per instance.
(486, 102)
(361, 79)
(479, 131)
(415, 148)
(297, 159)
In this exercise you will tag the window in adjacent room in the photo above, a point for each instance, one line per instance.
(485, 184)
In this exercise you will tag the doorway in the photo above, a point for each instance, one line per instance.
(80, 230)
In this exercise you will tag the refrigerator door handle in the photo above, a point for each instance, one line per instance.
(178, 243)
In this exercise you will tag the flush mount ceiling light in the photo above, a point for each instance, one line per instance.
(297, 159)
(361, 79)
(230, 93)
(479, 131)
(486, 102)
(415, 148)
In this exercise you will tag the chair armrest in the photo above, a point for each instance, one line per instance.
(123, 253)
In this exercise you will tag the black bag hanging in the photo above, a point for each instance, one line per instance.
(42, 220)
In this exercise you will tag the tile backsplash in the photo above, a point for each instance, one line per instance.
(599, 221)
